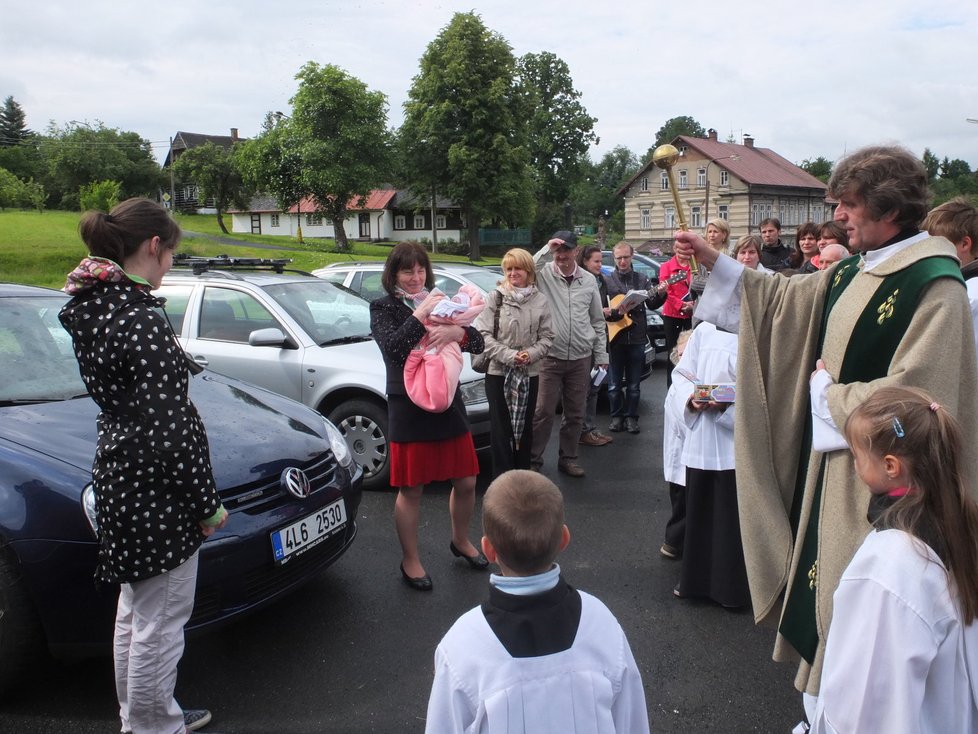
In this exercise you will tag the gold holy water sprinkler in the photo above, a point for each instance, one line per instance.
(665, 157)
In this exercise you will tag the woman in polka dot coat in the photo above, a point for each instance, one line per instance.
(155, 495)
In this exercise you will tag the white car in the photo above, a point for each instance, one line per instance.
(298, 336)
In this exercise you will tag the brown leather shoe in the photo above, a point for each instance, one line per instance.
(593, 438)
(570, 468)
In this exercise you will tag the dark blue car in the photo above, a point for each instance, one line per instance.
(284, 473)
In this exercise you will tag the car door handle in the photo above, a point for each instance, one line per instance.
(201, 360)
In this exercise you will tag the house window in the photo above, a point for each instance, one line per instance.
(682, 178)
(817, 215)
(314, 219)
(701, 177)
(755, 214)
(664, 181)
(724, 178)
(400, 222)
(274, 220)
(696, 216)
(670, 218)
(782, 214)
(419, 221)
(646, 219)
(645, 184)
(723, 211)
(441, 222)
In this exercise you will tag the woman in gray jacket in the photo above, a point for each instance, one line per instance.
(518, 332)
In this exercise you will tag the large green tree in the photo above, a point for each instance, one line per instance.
(81, 154)
(596, 193)
(560, 133)
(465, 134)
(217, 174)
(335, 147)
(820, 168)
(683, 125)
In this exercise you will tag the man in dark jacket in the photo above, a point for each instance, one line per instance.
(775, 255)
(626, 353)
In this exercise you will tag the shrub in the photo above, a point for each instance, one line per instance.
(100, 195)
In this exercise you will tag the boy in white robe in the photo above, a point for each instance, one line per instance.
(538, 655)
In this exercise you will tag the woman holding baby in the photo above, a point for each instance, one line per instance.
(424, 446)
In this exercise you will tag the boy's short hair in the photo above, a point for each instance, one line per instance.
(954, 219)
(523, 517)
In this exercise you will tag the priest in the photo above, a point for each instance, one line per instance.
(811, 350)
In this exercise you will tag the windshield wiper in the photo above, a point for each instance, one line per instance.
(347, 340)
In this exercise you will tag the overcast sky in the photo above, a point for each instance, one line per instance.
(804, 79)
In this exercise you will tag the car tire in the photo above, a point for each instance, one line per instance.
(21, 636)
(364, 426)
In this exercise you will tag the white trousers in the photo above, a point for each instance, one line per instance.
(148, 645)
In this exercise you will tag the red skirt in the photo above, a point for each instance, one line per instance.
(420, 462)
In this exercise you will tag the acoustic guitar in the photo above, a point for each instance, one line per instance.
(616, 327)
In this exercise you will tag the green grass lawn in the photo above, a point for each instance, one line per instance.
(40, 249)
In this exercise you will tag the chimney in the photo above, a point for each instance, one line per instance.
(711, 134)
(748, 141)
(234, 135)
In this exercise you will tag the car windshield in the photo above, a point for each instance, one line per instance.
(328, 314)
(37, 363)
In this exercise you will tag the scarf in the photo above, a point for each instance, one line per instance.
(92, 271)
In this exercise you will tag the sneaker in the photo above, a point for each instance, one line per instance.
(617, 424)
(195, 719)
(593, 438)
(670, 551)
(570, 468)
(631, 425)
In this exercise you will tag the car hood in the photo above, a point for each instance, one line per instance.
(252, 433)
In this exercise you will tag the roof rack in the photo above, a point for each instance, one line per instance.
(225, 262)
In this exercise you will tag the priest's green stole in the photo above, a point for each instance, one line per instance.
(872, 344)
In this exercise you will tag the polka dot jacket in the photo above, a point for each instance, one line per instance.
(152, 473)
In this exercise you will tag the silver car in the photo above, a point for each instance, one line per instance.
(363, 277)
(302, 337)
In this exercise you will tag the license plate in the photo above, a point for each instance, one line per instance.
(300, 536)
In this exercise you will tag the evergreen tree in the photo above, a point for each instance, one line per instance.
(13, 124)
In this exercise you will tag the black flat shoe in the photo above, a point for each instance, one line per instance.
(418, 583)
(479, 562)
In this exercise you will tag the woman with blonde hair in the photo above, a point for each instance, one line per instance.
(518, 332)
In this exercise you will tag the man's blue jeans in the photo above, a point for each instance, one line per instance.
(625, 361)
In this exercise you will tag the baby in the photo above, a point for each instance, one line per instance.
(431, 375)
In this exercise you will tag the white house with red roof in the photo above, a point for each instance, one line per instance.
(386, 214)
(739, 182)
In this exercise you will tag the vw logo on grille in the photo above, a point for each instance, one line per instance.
(296, 482)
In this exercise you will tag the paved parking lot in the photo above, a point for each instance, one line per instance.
(352, 652)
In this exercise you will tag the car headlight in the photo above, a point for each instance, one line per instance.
(88, 507)
(338, 444)
(474, 392)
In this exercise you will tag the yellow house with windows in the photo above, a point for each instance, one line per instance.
(738, 182)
